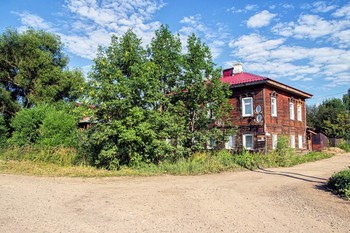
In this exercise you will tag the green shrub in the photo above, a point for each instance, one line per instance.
(26, 125)
(339, 183)
(44, 125)
(58, 129)
(345, 145)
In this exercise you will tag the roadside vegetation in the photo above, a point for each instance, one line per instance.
(339, 183)
(152, 110)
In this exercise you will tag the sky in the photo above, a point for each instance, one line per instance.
(304, 44)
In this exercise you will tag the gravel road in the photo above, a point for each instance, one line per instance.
(269, 200)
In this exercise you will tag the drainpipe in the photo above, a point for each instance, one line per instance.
(265, 121)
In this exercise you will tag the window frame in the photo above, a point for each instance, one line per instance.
(230, 144)
(273, 106)
(300, 141)
(291, 111)
(299, 112)
(274, 140)
(244, 107)
(211, 144)
(245, 141)
(292, 141)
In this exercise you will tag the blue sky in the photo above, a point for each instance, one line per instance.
(304, 44)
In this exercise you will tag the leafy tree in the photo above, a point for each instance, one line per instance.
(204, 96)
(33, 69)
(153, 105)
(3, 131)
(125, 91)
(332, 118)
(311, 115)
(346, 100)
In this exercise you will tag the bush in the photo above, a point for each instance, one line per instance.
(345, 145)
(339, 183)
(44, 125)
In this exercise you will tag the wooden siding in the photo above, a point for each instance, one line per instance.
(279, 125)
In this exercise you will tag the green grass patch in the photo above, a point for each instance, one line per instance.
(66, 162)
(339, 183)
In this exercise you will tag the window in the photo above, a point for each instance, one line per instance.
(300, 141)
(210, 114)
(291, 110)
(230, 144)
(211, 144)
(292, 141)
(247, 106)
(274, 141)
(273, 106)
(299, 112)
(248, 141)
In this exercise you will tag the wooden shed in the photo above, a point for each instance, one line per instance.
(319, 142)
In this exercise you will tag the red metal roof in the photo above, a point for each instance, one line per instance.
(241, 78)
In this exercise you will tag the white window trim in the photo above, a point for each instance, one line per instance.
(243, 107)
(211, 144)
(292, 141)
(291, 110)
(274, 141)
(230, 144)
(299, 112)
(300, 141)
(274, 107)
(244, 141)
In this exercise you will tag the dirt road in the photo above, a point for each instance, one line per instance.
(271, 200)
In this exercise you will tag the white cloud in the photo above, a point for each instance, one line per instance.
(214, 38)
(313, 27)
(343, 12)
(320, 7)
(261, 19)
(31, 20)
(94, 21)
(249, 7)
(275, 59)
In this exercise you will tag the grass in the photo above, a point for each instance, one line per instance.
(40, 162)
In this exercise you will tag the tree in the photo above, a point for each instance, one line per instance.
(3, 131)
(332, 118)
(346, 100)
(125, 90)
(203, 97)
(153, 105)
(311, 115)
(33, 69)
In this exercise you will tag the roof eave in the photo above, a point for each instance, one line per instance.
(288, 88)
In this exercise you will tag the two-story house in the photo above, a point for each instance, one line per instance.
(264, 110)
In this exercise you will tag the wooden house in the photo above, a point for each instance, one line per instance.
(264, 110)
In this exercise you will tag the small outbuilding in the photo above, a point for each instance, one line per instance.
(319, 142)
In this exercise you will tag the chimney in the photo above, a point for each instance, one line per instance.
(237, 68)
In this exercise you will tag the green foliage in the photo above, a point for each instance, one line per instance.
(339, 183)
(33, 69)
(46, 125)
(26, 125)
(154, 108)
(331, 117)
(3, 131)
(345, 145)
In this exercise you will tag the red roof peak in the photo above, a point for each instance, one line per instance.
(241, 78)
